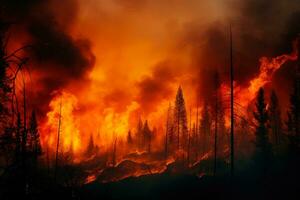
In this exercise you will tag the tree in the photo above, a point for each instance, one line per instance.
(169, 137)
(275, 122)
(263, 146)
(129, 138)
(139, 134)
(18, 138)
(194, 143)
(91, 146)
(5, 79)
(180, 120)
(147, 136)
(216, 113)
(114, 156)
(6, 129)
(293, 122)
(36, 147)
(205, 127)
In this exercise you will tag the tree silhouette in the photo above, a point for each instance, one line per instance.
(293, 122)
(18, 138)
(148, 136)
(36, 147)
(5, 80)
(139, 134)
(129, 139)
(114, 153)
(6, 129)
(180, 120)
(263, 146)
(275, 119)
(205, 127)
(90, 147)
(170, 134)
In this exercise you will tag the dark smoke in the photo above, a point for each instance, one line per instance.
(59, 58)
(158, 86)
(260, 28)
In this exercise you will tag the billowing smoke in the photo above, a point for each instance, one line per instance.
(56, 57)
(260, 28)
(146, 49)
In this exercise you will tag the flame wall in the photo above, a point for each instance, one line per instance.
(111, 62)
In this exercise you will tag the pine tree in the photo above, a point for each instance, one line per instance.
(216, 122)
(293, 122)
(194, 143)
(263, 146)
(36, 147)
(205, 127)
(91, 146)
(114, 156)
(167, 133)
(170, 135)
(180, 121)
(139, 134)
(148, 136)
(6, 128)
(5, 80)
(275, 119)
(129, 139)
(18, 138)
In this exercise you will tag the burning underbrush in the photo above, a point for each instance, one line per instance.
(140, 164)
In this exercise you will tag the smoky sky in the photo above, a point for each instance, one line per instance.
(259, 28)
(53, 52)
(157, 87)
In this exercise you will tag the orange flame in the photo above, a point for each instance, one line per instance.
(268, 66)
(62, 105)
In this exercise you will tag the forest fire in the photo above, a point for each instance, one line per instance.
(115, 126)
(268, 66)
(148, 94)
(62, 113)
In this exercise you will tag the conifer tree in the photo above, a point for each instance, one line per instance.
(91, 146)
(275, 119)
(5, 80)
(148, 136)
(263, 147)
(129, 138)
(293, 122)
(180, 121)
(36, 147)
(18, 138)
(139, 134)
(205, 127)
(170, 134)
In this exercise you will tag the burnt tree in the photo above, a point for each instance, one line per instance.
(263, 152)
(180, 120)
(275, 122)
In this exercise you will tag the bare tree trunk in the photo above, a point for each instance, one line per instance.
(216, 133)
(189, 139)
(57, 145)
(167, 131)
(114, 152)
(231, 109)
(197, 134)
(47, 160)
(178, 123)
(24, 138)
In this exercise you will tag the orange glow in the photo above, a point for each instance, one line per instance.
(70, 138)
(268, 66)
(131, 59)
(105, 124)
